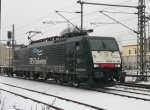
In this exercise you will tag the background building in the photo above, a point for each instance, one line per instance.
(5, 55)
(129, 55)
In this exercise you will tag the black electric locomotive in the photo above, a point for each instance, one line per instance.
(76, 59)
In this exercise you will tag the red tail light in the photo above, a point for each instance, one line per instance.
(107, 65)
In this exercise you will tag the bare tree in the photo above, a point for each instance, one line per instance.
(68, 30)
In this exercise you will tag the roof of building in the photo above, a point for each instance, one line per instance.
(129, 45)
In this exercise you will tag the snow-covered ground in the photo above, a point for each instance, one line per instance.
(101, 100)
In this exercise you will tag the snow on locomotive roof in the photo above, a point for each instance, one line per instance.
(72, 39)
(67, 35)
(61, 39)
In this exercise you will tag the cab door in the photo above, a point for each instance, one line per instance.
(70, 57)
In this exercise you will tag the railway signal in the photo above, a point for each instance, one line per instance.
(9, 34)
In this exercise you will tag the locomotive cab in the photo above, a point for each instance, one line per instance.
(106, 59)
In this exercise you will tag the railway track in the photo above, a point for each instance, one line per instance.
(112, 90)
(25, 97)
(143, 86)
(89, 107)
(130, 90)
(123, 93)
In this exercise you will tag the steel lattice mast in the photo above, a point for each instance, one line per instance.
(141, 35)
(141, 42)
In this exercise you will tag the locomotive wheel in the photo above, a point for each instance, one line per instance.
(75, 83)
(59, 82)
(12, 75)
(24, 76)
(45, 75)
(122, 79)
(33, 76)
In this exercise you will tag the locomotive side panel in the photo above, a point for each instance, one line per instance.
(20, 61)
(55, 58)
(48, 58)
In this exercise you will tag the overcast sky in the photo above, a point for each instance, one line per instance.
(29, 15)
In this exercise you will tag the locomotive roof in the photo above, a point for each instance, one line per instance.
(60, 41)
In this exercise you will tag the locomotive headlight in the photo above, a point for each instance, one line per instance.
(117, 65)
(95, 65)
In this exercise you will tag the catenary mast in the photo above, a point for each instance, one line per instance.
(141, 35)
(141, 42)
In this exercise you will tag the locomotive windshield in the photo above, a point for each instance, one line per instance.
(103, 45)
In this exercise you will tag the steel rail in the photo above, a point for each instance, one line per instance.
(91, 106)
(127, 91)
(134, 85)
(122, 95)
(25, 97)
(92, 89)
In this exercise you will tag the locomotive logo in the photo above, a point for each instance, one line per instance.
(36, 51)
(37, 60)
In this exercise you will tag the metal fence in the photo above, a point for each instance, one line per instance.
(130, 62)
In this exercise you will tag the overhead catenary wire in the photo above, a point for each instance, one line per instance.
(104, 9)
(68, 12)
(119, 12)
(107, 4)
(23, 26)
(44, 16)
(55, 28)
(68, 21)
(91, 13)
(108, 23)
(119, 22)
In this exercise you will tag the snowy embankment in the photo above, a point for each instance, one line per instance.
(101, 100)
